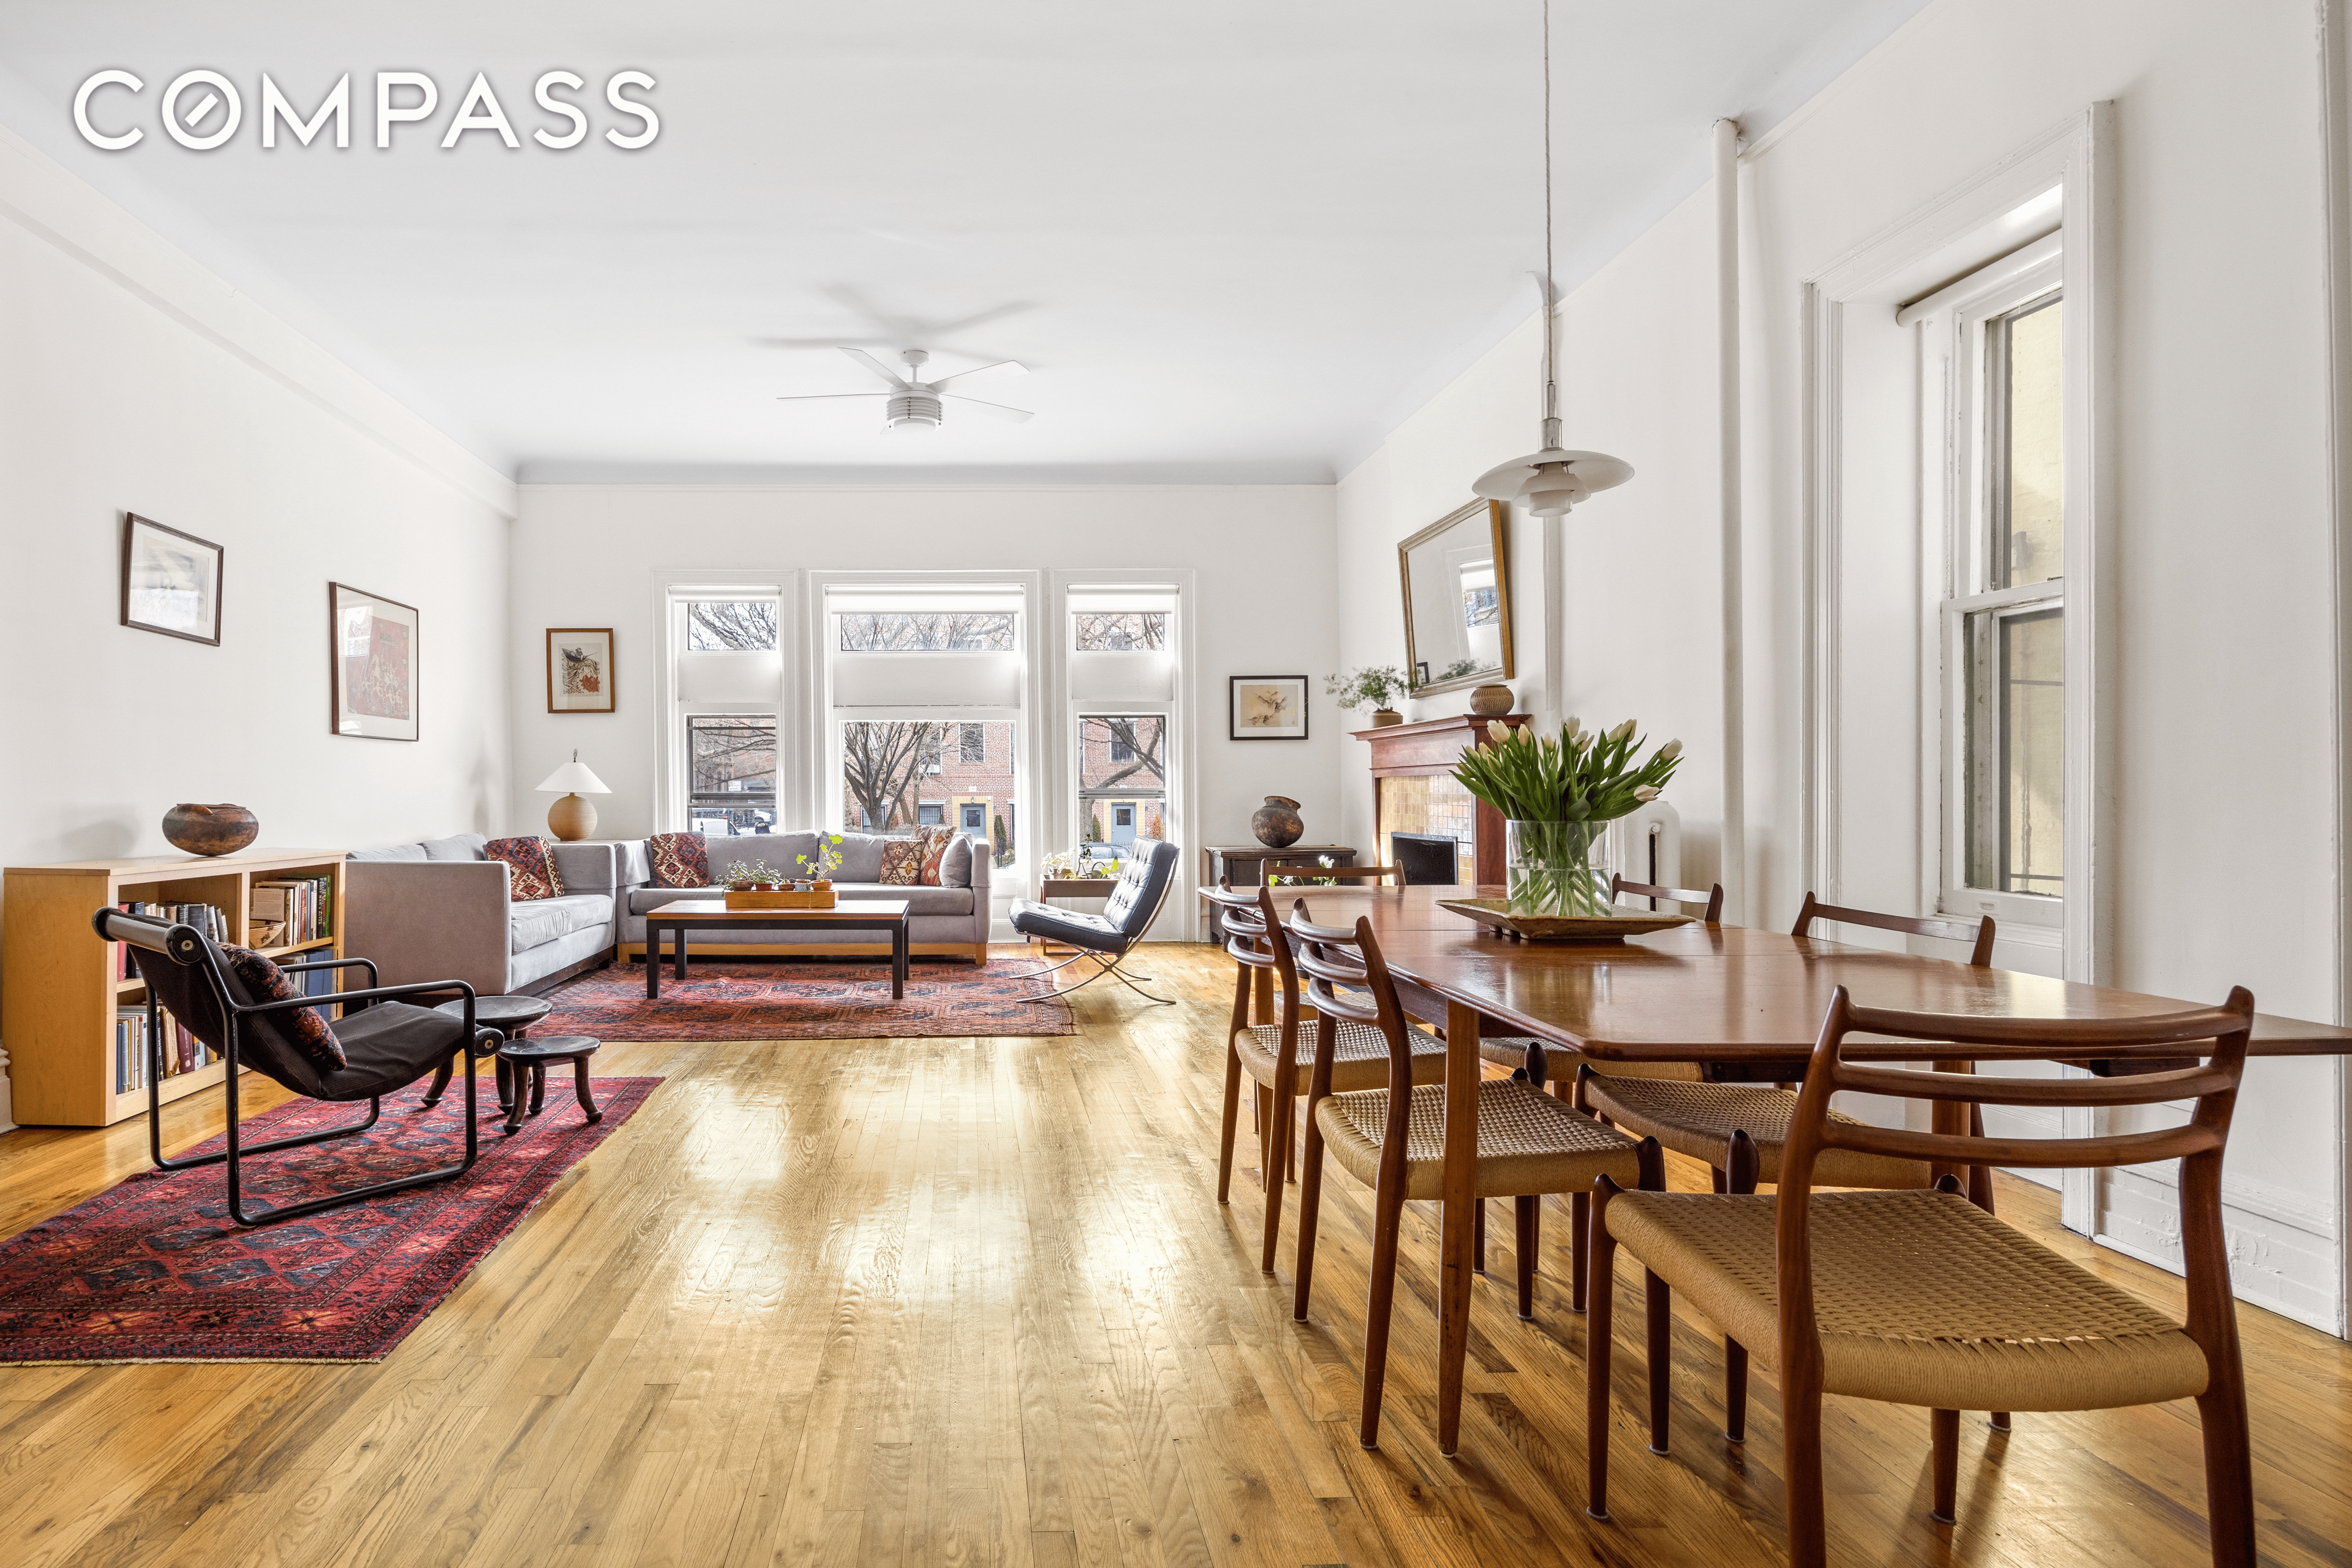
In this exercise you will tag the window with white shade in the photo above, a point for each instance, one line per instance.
(1123, 733)
(726, 678)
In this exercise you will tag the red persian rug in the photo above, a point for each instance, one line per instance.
(809, 999)
(153, 1268)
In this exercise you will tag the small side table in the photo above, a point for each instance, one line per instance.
(509, 1016)
(530, 1059)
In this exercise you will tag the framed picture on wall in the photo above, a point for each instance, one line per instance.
(579, 669)
(372, 663)
(170, 581)
(1268, 707)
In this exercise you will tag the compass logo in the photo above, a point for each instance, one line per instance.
(202, 110)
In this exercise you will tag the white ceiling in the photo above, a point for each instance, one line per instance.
(1236, 240)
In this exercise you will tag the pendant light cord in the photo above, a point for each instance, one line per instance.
(1550, 325)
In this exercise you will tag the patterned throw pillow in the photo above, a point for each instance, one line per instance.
(935, 842)
(902, 862)
(680, 859)
(532, 863)
(302, 1027)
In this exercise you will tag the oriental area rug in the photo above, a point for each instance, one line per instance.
(154, 1270)
(810, 999)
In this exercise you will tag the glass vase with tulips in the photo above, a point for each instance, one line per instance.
(1557, 797)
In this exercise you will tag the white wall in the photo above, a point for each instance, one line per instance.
(2224, 685)
(133, 381)
(1263, 604)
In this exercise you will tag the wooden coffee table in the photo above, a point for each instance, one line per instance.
(709, 914)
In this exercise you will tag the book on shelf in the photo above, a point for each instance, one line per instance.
(300, 907)
(134, 1060)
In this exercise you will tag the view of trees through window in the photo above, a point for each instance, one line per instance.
(731, 625)
(731, 773)
(898, 774)
(929, 632)
(1126, 631)
(1122, 780)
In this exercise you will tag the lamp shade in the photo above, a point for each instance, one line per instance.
(1551, 482)
(574, 777)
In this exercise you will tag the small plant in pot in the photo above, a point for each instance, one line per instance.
(1377, 684)
(819, 868)
(758, 876)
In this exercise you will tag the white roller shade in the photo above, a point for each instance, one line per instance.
(1116, 600)
(1145, 676)
(926, 679)
(919, 600)
(731, 676)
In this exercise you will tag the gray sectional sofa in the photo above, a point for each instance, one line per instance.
(951, 920)
(439, 911)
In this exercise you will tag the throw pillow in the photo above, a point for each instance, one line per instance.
(301, 1026)
(902, 862)
(533, 864)
(935, 842)
(955, 871)
(680, 859)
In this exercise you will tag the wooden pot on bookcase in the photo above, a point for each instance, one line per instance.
(210, 830)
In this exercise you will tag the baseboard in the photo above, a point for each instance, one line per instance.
(719, 952)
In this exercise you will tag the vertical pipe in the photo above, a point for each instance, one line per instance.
(1735, 697)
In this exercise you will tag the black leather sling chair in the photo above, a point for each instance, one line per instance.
(388, 1044)
(1135, 898)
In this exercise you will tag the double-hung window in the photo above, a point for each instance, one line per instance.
(2002, 616)
(1121, 664)
(727, 668)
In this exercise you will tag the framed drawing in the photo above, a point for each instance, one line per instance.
(579, 669)
(1268, 707)
(371, 665)
(170, 581)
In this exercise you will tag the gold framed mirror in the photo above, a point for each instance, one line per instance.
(1456, 575)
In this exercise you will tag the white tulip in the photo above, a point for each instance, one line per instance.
(1647, 792)
(1497, 730)
(1622, 731)
(1670, 751)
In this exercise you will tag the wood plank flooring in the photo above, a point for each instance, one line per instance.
(973, 1302)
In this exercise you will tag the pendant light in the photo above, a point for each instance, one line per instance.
(1547, 482)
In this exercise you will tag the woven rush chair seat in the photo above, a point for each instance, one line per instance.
(1359, 1061)
(1560, 1063)
(1922, 1298)
(1528, 1142)
(1698, 1119)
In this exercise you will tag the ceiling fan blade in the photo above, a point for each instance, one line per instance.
(1010, 366)
(993, 410)
(827, 396)
(876, 366)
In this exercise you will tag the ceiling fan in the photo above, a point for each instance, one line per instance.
(914, 403)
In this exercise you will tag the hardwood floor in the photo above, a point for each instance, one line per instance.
(972, 1301)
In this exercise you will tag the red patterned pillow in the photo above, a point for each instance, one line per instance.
(533, 864)
(935, 842)
(902, 862)
(680, 859)
(301, 1026)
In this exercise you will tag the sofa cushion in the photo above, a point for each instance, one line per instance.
(644, 901)
(861, 857)
(680, 859)
(955, 866)
(935, 841)
(457, 847)
(389, 852)
(902, 863)
(542, 920)
(533, 864)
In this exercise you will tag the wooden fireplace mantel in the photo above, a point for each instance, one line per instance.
(1429, 748)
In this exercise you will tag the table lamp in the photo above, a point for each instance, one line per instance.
(573, 818)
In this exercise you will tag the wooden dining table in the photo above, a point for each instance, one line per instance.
(1746, 1000)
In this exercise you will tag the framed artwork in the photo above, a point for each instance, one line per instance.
(579, 669)
(371, 665)
(170, 581)
(1268, 707)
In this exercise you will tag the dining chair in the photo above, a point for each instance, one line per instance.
(1268, 1053)
(1392, 1140)
(1619, 887)
(1700, 1118)
(1920, 1297)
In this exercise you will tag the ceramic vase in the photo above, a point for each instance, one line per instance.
(1276, 823)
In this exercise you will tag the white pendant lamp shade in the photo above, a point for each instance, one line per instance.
(575, 778)
(1549, 482)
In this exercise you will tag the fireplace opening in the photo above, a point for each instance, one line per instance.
(1426, 859)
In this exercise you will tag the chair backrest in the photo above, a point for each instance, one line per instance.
(1255, 938)
(1144, 876)
(2217, 1033)
(1713, 898)
(1295, 875)
(1327, 956)
(1977, 932)
(189, 976)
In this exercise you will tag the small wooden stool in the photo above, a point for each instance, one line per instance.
(533, 1057)
(509, 1016)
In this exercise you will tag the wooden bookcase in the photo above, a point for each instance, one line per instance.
(57, 990)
